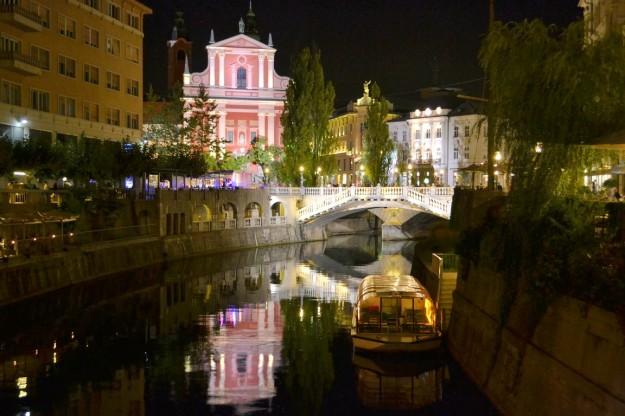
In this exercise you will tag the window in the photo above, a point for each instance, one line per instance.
(456, 131)
(466, 151)
(253, 136)
(132, 87)
(230, 136)
(395, 136)
(113, 46)
(67, 106)
(428, 154)
(67, 27)
(67, 66)
(10, 93)
(439, 132)
(8, 44)
(241, 78)
(132, 20)
(92, 37)
(42, 12)
(456, 152)
(403, 136)
(114, 11)
(42, 56)
(132, 121)
(438, 153)
(132, 53)
(40, 100)
(241, 138)
(93, 3)
(417, 135)
(112, 81)
(467, 131)
(90, 111)
(428, 133)
(112, 116)
(92, 74)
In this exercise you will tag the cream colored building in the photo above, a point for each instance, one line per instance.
(70, 68)
(349, 127)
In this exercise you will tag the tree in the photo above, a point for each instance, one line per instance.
(377, 145)
(200, 124)
(262, 155)
(309, 104)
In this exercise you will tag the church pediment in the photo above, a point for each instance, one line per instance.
(240, 41)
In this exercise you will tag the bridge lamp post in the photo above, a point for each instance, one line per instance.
(301, 178)
(409, 174)
(266, 175)
(320, 176)
(362, 175)
(418, 179)
(397, 175)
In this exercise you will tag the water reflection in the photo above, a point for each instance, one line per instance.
(261, 331)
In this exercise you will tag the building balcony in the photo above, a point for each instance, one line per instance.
(20, 17)
(18, 62)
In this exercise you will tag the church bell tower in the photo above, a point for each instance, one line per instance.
(178, 52)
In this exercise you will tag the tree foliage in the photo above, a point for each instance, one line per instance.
(377, 144)
(309, 104)
(550, 86)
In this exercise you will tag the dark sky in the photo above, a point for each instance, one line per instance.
(393, 42)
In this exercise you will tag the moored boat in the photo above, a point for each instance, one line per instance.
(394, 314)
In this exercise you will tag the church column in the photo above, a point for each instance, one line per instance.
(222, 125)
(261, 71)
(222, 60)
(211, 64)
(270, 130)
(261, 124)
(270, 72)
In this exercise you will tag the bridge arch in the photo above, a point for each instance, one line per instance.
(202, 213)
(228, 211)
(253, 210)
(278, 209)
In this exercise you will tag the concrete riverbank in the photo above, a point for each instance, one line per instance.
(25, 278)
(572, 363)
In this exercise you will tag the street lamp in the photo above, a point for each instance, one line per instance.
(397, 175)
(319, 175)
(301, 176)
(418, 178)
(409, 174)
(539, 147)
(266, 175)
(362, 175)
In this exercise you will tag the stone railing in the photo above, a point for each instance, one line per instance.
(434, 200)
(232, 223)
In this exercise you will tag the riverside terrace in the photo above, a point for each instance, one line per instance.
(39, 222)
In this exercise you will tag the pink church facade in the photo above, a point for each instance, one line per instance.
(249, 94)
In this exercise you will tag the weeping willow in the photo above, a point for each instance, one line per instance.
(552, 93)
(550, 86)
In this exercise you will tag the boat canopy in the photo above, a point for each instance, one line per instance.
(390, 286)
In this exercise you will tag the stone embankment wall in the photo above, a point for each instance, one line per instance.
(24, 278)
(573, 362)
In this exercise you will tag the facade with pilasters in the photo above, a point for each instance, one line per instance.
(240, 78)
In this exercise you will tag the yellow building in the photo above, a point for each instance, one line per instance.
(70, 68)
(349, 127)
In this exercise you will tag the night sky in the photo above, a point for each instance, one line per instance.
(394, 42)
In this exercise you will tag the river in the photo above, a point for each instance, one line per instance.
(262, 331)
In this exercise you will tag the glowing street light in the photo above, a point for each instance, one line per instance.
(539, 147)
(301, 176)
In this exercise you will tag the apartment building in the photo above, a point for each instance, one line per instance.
(71, 68)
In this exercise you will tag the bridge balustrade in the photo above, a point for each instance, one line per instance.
(433, 199)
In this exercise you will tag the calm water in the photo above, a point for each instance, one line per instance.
(253, 332)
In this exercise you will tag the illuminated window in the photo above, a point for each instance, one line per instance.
(112, 81)
(92, 74)
(132, 87)
(113, 46)
(112, 116)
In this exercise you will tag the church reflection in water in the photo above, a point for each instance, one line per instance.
(257, 330)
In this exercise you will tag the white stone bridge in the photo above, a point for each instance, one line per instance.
(393, 205)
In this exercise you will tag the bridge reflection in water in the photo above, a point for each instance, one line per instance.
(261, 331)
